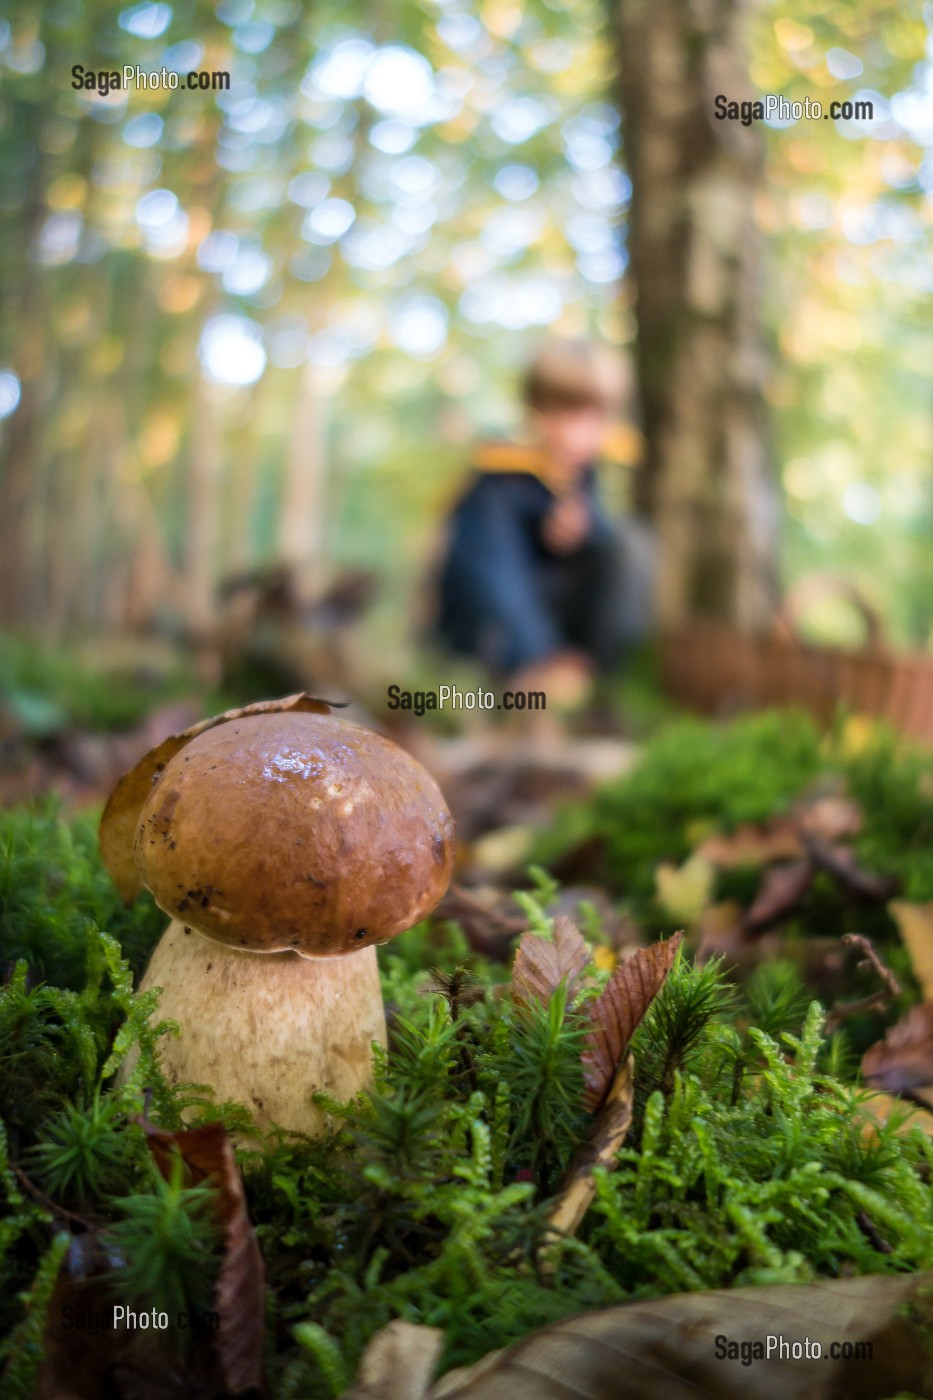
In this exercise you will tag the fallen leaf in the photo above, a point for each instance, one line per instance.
(826, 818)
(604, 958)
(239, 1296)
(666, 1348)
(488, 787)
(683, 892)
(607, 1133)
(915, 923)
(781, 890)
(616, 1013)
(841, 863)
(880, 1107)
(121, 814)
(541, 964)
(502, 850)
(398, 1363)
(76, 1363)
(489, 919)
(923, 1094)
(583, 860)
(98, 1359)
(904, 1059)
(138, 1365)
(719, 930)
(858, 733)
(752, 845)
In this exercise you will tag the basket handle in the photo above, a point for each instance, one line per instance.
(813, 587)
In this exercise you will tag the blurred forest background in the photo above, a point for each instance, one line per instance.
(261, 326)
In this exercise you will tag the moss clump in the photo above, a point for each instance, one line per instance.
(749, 1160)
(52, 885)
(46, 689)
(693, 776)
(696, 777)
(757, 1166)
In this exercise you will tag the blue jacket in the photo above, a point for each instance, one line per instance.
(499, 584)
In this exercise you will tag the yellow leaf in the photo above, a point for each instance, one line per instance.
(915, 922)
(604, 958)
(858, 732)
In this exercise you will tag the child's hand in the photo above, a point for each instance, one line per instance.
(566, 525)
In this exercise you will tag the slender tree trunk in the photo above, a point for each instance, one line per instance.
(204, 484)
(706, 482)
(301, 524)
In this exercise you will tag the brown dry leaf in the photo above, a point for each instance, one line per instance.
(607, 1134)
(121, 814)
(76, 1364)
(923, 1094)
(398, 1363)
(90, 1362)
(617, 1011)
(239, 1293)
(488, 918)
(904, 1059)
(826, 818)
(719, 930)
(541, 964)
(752, 845)
(841, 863)
(781, 890)
(915, 922)
(665, 1348)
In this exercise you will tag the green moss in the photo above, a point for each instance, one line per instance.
(693, 775)
(894, 785)
(765, 1176)
(696, 778)
(53, 888)
(46, 688)
(748, 1160)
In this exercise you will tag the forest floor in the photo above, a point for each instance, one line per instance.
(660, 1070)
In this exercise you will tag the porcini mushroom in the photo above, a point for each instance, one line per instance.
(284, 843)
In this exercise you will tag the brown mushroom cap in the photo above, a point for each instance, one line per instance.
(295, 831)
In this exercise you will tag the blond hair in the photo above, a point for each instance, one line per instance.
(566, 374)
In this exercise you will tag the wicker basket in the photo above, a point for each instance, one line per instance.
(714, 668)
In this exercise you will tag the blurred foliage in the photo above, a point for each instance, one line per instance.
(388, 211)
(844, 213)
(44, 690)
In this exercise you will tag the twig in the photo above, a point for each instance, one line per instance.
(870, 1230)
(47, 1201)
(858, 940)
(875, 1001)
(607, 1133)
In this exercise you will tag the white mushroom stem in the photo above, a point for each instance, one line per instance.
(267, 1030)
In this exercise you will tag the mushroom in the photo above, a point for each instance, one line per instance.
(284, 843)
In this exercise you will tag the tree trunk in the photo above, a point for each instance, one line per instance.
(301, 523)
(706, 482)
(204, 487)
